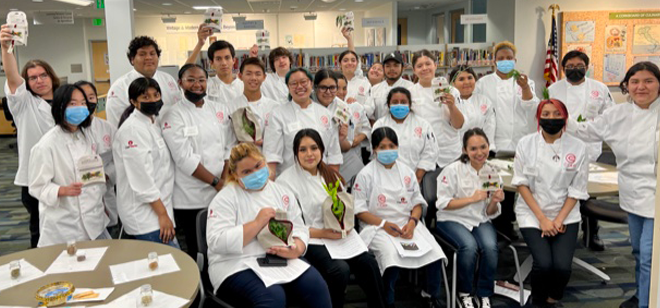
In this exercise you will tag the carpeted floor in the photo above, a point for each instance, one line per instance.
(585, 290)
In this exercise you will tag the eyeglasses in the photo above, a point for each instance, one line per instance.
(580, 67)
(332, 89)
(43, 76)
(193, 80)
(295, 84)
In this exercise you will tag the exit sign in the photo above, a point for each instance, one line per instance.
(100, 4)
(97, 21)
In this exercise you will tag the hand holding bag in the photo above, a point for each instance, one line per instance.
(277, 233)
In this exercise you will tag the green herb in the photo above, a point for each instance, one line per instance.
(278, 229)
(546, 93)
(212, 21)
(337, 206)
(581, 119)
(248, 126)
(513, 73)
(486, 185)
(340, 20)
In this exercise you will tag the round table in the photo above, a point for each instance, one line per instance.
(184, 283)
(594, 189)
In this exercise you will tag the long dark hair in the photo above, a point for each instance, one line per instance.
(138, 87)
(61, 99)
(329, 175)
(641, 66)
(49, 70)
(468, 134)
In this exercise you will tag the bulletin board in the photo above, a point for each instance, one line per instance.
(613, 40)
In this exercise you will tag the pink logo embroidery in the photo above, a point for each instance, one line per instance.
(220, 115)
(324, 120)
(285, 200)
(418, 132)
(382, 200)
(131, 144)
(444, 180)
(356, 115)
(356, 187)
(570, 160)
(403, 201)
(107, 141)
(406, 180)
(484, 108)
(212, 214)
(166, 126)
(595, 94)
(172, 85)
(361, 90)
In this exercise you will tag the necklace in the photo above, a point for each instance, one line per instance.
(556, 156)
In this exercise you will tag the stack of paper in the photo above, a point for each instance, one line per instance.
(69, 264)
(275, 275)
(136, 270)
(345, 248)
(160, 300)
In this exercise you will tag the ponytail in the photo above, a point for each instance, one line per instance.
(330, 176)
(126, 114)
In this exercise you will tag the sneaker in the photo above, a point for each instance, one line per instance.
(466, 302)
(484, 302)
(632, 302)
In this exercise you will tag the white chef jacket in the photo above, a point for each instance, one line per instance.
(32, 118)
(53, 165)
(551, 182)
(632, 133)
(514, 116)
(106, 132)
(359, 89)
(479, 110)
(118, 100)
(233, 207)
(275, 88)
(588, 99)
(418, 148)
(358, 124)
(460, 180)
(286, 120)
(448, 138)
(145, 173)
(310, 193)
(197, 136)
(378, 97)
(391, 194)
(223, 93)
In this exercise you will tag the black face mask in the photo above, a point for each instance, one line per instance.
(576, 74)
(193, 97)
(92, 107)
(151, 108)
(552, 126)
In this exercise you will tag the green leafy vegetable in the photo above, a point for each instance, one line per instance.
(513, 73)
(248, 125)
(546, 93)
(581, 119)
(337, 206)
(278, 229)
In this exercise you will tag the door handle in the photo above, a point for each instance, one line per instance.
(101, 80)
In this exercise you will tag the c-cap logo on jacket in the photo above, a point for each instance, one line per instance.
(220, 116)
(166, 126)
(570, 160)
(407, 180)
(131, 144)
(382, 200)
(285, 200)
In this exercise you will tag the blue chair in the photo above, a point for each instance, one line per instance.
(205, 287)
(429, 192)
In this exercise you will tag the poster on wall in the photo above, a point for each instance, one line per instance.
(646, 39)
(615, 38)
(614, 68)
(580, 31)
(653, 59)
(375, 36)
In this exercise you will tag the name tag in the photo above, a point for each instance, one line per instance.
(189, 131)
(293, 127)
(530, 171)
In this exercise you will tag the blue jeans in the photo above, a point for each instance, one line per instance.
(245, 289)
(641, 238)
(155, 237)
(433, 277)
(481, 244)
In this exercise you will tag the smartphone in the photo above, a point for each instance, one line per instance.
(271, 261)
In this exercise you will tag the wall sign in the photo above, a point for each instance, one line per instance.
(250, 25)
(467, 19)
(378, 22)
(53, 18)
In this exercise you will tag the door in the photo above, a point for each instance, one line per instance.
(402, 38)
(101, 73)
(457, 35)
(440, 28)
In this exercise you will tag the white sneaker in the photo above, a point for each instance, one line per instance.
(465, 302)
(484, 303)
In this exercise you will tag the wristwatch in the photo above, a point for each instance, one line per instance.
(415, 220)
(215, 182)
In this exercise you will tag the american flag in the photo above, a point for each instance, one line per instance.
(552, 57)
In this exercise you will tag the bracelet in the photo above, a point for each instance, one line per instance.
(415, 220)
(382, 223)
(215, 182)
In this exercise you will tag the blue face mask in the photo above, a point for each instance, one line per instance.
(505, 66)
(256, 180)
(387, 157)
(76, 115)
(400, 111)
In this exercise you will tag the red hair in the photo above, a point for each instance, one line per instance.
(555, 102)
